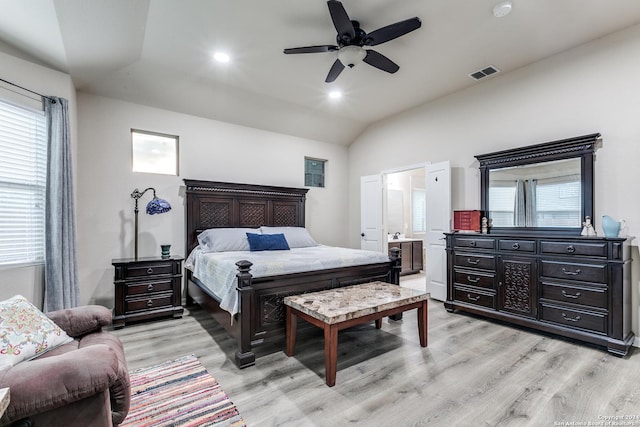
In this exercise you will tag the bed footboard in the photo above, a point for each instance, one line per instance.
(262, 311)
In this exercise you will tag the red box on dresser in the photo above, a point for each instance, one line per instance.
(467, 220)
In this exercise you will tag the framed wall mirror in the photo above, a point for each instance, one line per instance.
(545, 188)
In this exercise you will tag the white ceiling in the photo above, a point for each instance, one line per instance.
(158, 53)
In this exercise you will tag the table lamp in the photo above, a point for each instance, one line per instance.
(155, 206)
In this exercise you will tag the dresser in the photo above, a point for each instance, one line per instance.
(576, 287)
(147, 288)
(411, 254)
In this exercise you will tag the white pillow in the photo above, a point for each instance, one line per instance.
(26, 332)
(297, 237)
(225, 239)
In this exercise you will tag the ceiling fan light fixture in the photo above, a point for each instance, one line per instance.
(221, 57)
(335, 94)
(351, 56)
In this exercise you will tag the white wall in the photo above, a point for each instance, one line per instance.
(593, 88)
(28, 280)
(209, 150)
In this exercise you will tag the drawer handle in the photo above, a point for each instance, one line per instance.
(149, 270)
(574, 296)
(470, 298)
(150, 303)
(571, 319)
(472, 243)
(150, 288)
(571, 249)
(473, 262)
(516, 246)
(571, 273)
(473, 279)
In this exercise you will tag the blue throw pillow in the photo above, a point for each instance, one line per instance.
(267, 242)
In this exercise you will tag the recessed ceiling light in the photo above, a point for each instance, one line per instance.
(502, 9)
(221, 57)
(335, 94)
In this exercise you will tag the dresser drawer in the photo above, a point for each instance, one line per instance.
(572, 248)
(587, 320)
(593, 297)
(528, 246)
(485, 262)
(483, 280)
(473, 297)
(142, 270)
(594, 272)
(149, 287)
(156, 301)
(473, 242)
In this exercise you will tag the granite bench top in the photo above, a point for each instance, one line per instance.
(341, 304)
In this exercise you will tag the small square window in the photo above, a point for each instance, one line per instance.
(154, 152)
(314, 172)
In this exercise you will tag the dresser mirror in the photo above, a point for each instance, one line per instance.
(541, 188)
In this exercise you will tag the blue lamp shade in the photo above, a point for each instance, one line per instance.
(158, 206)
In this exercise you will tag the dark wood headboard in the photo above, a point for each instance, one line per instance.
(223, 204)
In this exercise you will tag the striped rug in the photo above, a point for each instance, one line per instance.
(179, 393)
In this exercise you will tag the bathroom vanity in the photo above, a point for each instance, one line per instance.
(412, 254)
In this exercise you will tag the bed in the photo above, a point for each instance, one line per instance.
(261, 314)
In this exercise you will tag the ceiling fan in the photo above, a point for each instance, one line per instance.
(351, 40)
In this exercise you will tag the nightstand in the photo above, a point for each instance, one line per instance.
(147, 288)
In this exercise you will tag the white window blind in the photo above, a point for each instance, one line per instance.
(23, 168)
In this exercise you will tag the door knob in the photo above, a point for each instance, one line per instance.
(362, 234)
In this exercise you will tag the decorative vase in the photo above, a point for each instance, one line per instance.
(165, 251)
(610, 226)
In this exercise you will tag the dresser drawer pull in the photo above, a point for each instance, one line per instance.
(473, 279)
(574, 296)
(470, 298)
(150, 303)
(149, 270)
(516, 246)
(472, 243)
(571, 249)
(571, 273)
(474, 261)
(571, 319)
(150, 288)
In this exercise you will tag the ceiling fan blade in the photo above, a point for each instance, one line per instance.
(341, 20)
(312, 49)
(335, 71)
(380, 61)
(392, 31)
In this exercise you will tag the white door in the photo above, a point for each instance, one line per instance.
(438, 213)
(371, 213)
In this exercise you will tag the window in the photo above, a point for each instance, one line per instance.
(314, 172)
(419, 208)
(23, 171)
(154, 152)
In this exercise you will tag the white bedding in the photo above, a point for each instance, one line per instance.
(217, 270)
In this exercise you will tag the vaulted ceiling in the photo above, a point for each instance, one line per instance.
(159, 53)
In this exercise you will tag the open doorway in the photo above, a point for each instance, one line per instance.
(404, 219)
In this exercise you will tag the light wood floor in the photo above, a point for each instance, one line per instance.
(473, 373)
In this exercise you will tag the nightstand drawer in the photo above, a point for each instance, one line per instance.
(157, 301)
(137, 288)
(146, 270)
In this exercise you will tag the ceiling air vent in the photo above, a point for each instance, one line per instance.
(484, 72)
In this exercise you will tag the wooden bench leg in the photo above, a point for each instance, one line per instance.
(330, 353)
(378, 323)
(423, 323)
(291, 324)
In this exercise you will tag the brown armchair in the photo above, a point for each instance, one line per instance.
(81, 383)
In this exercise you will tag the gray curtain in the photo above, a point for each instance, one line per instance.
(61, 271)
(520, 210)
(531, 214)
